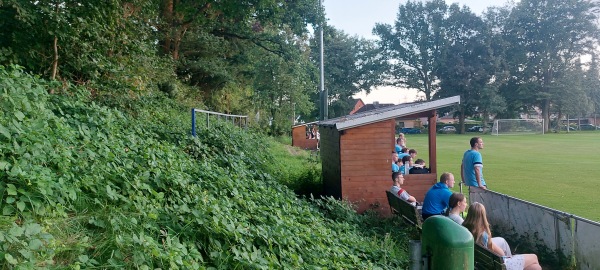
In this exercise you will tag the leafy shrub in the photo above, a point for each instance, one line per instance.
(88, 186)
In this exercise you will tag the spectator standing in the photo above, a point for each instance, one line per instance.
(471, 169)
(477, 223)
(437, 197)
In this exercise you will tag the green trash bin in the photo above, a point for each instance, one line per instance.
(446, 245)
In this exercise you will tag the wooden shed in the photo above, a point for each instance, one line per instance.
(356, 154)
(300, 137)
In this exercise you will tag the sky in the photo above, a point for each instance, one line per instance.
(358, 17)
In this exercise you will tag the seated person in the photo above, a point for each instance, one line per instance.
(419, 167)
(403, 153)
(413, 155)
(399, 144)
(405, 165)
(457, 204)
(477, 223)
(395, 166)
(438, 196)
(398, 180)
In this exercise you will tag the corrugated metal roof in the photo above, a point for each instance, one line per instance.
(305, 124)
(386, 113)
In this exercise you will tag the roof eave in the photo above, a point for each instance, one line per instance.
(417, 108)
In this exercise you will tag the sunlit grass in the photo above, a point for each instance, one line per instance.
(560, 171)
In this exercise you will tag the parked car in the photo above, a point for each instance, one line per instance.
(570, 128)
(411, 130)
(447, 129)
(587, 127)
(475, 129)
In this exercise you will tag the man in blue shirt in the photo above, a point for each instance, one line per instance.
(438, 196)
(395, 167)
(471, 169)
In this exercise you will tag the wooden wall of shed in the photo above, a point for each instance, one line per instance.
(366, 162)
(299, 139)
(330, 161)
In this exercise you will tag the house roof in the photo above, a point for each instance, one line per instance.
(389, 112)
(373, 106)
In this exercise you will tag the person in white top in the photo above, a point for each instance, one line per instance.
(457, 204)
(397, 190)
(477, 223)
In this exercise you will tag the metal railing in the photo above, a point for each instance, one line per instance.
(242, 120)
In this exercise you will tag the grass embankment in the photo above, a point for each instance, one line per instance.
(85, 185)
(557, 170)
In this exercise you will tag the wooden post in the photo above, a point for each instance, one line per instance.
(432, 142)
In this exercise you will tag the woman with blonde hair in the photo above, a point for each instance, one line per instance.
(477, 223)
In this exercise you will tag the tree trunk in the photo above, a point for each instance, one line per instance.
(484, 121)
(167, 16)
(55, 47)
(55, 62)
(546, 113)
(461, 120)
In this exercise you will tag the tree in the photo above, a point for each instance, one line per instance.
(414, 45)
(232, 19)
(468, 66)
(352, 64)
(591, 83)
(546, 36)
(82, 41)
(282, 88)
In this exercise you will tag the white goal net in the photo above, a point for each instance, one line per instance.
(518, 126)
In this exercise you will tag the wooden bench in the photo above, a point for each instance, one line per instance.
(487, 260)
(404, 209)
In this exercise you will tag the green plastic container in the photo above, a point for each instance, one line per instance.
(446, 245)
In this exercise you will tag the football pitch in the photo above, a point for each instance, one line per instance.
(560, 171)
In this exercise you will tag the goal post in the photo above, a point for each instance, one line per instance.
(518, 126)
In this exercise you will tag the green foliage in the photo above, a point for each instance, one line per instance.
(351, 66)
(414, 43)
(87, 186)
(106, 43)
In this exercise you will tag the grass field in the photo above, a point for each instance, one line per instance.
(560, 171)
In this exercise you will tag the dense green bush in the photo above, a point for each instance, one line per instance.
(84, 185)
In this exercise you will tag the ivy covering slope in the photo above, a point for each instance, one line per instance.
(84, 185)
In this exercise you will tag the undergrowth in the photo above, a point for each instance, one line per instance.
(119, 183)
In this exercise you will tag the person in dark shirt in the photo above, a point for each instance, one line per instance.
(419, 167)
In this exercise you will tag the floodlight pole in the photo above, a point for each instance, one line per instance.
(324, 94)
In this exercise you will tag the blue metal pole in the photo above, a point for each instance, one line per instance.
(193, 122)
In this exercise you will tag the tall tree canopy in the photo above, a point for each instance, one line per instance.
(414, 45)
(469, 66)
(546, 39)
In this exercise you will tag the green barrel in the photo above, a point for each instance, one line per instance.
(446, 245)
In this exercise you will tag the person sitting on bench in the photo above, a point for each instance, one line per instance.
(397, 190)
(477, 223)
(419, 167)
(404, 169)
(457, 204)
(437, 197)
(395, 160)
